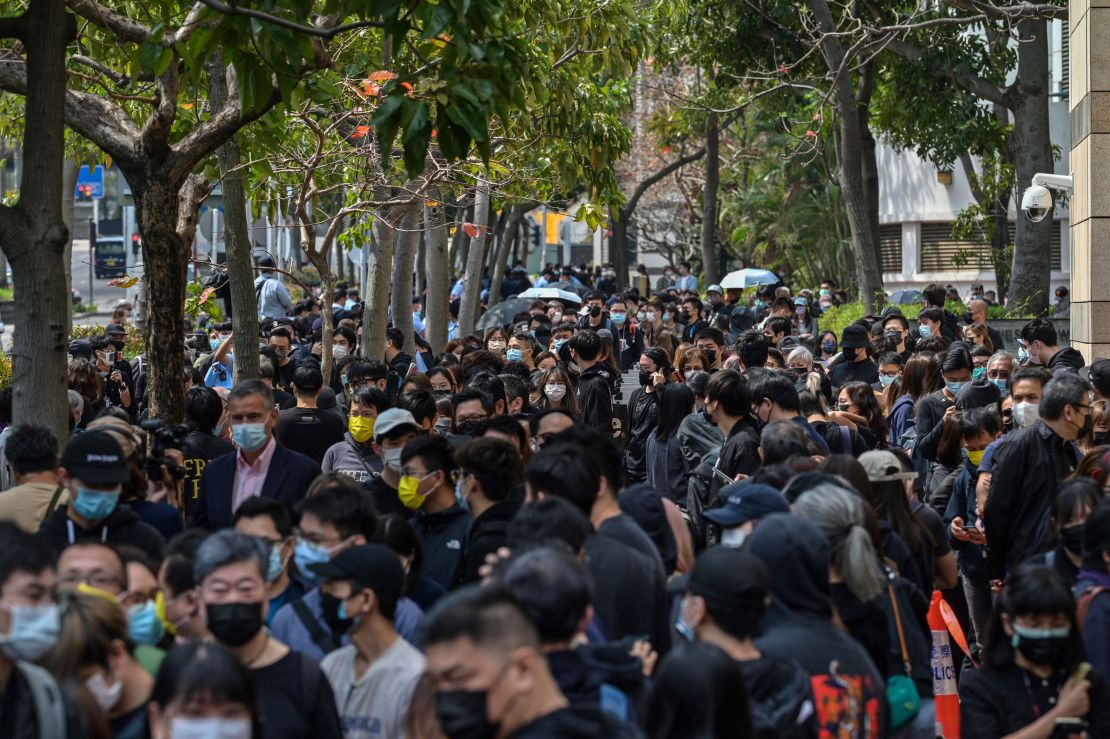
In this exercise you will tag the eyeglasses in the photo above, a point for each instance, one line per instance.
(998, 374)
(98, 580)
(472, 419)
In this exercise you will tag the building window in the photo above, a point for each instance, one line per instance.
(890, 247)
(940, 252)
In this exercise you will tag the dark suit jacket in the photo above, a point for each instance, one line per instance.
(287, 481)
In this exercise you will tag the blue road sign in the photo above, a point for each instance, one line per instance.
(90, 182)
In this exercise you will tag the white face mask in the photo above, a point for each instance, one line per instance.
(210, 728)
(107, 696)
(734, 537)
(1026, 414)
(392, 458)
(554, 392)
(338, 352)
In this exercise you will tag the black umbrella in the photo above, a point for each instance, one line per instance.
(502, 314)
(904, 297)
(579, 290)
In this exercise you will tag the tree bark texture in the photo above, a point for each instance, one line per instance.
(438, 269)
(408, 238)
(472, 289)
(501, 255)
(70, 170)
(376, 305)
(240, 266)
(709, 204)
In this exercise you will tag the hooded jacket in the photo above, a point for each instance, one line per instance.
(122, 526)
(1066, 360)
(577, 722)
(442, 535)
(778, 691)
(595, 397)
(849, 693)
(641, 423)
(603, 675)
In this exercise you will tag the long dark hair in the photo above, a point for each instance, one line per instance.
(699, 693)
(862, 394)
(676, 401)
(1032, 590)
(890, 502)
(918, 377)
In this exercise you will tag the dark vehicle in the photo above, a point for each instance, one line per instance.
(110, 259)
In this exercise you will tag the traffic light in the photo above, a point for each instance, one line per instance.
(136, 244)
(84, 192)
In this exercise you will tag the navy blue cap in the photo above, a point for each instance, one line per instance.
(747, 501)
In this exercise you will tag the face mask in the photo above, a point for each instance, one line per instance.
(925, 331)
(684, 629)
(408, 490)
(733, 537)
(887, 380)
(460, 496)
(640, 315)
(843, 406)
(338, 352)
(234, 624)
(894, 335)
(975, 457)
(1099, 437)
(496, 346)
(645, 379)
(828, 347)
(954, 387)
(1023, 356)
(392, 458)
(1001, 385)
(144, 626)
(595, 311)
(361, 428)
(1051, 647)
(710, 355)
(977, 373)
(554, 392)
(462, 715)
(666, 317)
(800, 311)
(215, 344)
(649, 317)
(760, 304)
(514, 355)
(1088, 424)
(443, 426)
(210, 728)
(306, 553)
(107, 696)
(618, 318)
(250, 437)
(32, 632)
(280, 354)
(823, 292)
(275, 565)
(559, 344)
(1072, 538)
(1026, 414)
(95, 505)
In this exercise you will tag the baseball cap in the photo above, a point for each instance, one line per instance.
(745, 501)
(95, 457)
(119, 430)
(114, 328)
(80, 348)
(1098, 374)
(980, 394)
(854, 337)
(730, 581)
(394, 418)
(372, 566)
(715, 289)
(800, 300)
(883, 466)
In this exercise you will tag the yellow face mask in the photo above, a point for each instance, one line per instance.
(361, 428)
(90, 590)
(408, 490)
(975, 457)
(160, 611)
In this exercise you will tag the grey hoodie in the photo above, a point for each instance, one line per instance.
(351, 458)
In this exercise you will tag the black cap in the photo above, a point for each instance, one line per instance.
(981, 394)
(115, 328)
(373, 566)
(95, 457)
(730, 580)
(265, 261)
(854, 337)
(81, 349)
(1099, 375)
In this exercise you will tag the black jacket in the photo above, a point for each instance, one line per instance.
(583, 672)
(1066, 360)
(630, 596)
(123, 526)
(486, 536)
(441, 536)
(287, 481)
(739, 454)
(841, 372)
(200, 449)
(929, 422)
(996, 339)
(629, 345)
(780, 699)
(595, 397)
(1028, 467)
(641, 424)
(577, 722)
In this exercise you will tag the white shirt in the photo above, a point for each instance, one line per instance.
(374, 706)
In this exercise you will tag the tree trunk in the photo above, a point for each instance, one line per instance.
(472, 289)
(69, 184)
(869, 162)
(376, 301)
(1032, 148)
(849, 150)
(240, 267)
(504, 245)
(438, 269)
(408, 237)
(33, 234)
(460, 243)
(709, 204)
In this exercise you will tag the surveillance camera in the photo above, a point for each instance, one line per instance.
(1037, 203)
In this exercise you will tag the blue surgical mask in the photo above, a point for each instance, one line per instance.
(559, 343)
(460, 498)
(306, 553)
(683, 628)
(33, 631)
(275, 565)
(828, 347)
(250, 437)
(1023, 356)
(666, 317)
(886, 380)
(925, 331)
(954, 387)
(95, 505)
(214, 343)
(1002, 385)
(144, 626)
(341, 612)
(618, 318)
(514, 355)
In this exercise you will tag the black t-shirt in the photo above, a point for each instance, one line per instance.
(629, 593)
(926, 559)
(285, 374)
(996, 702)
(624, 529)
(200, 449)
(309, 431)
(295, 700)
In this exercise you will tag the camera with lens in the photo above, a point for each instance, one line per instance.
(163, 436)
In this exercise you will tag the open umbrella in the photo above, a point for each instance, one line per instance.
(904, 297)
(551, 293)
(502, 313)
(571, 287)
(749, 277)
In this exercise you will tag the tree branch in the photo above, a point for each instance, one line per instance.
(120, 79)
(122, 27)
(13, 26)
(970, 81)
(325, 33)
(191, 22)
(646, 183)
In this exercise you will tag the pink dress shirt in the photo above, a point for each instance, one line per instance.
(250, 476)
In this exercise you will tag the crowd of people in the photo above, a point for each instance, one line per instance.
(493, 539)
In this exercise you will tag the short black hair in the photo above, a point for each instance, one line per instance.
(554, 589)
(547, 521)
(515, 387)
(205, 668)
(890, 358)
(490, 384)
(394, 336)
(751, 346)
(307, 378)
(709, 333)
(1063, 390)
(783, 440)
(508, 426)
(534, 421)
(203, 408)
(1032, 590)
(779, 325)
(177, 564)
(694, 302)
(347, 334)
(730, 389)
(602, 448)
(32, 448)
(350, 510)
(1033, 372)
(469, 394)
(371, 369)
(586, 344)
(1040, 329)
(562, 470)
(21, 552)
(420, 403)
(434, 451)
(494, 463)
(933, 315)
(775, 385)
(934, 294)
(486, 615)
(257, 507)
(371, 396)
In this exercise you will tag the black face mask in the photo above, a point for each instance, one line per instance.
(896, 336)
(645, 379)
(1072, 538)
(234, 624)
(968, 318)
(710, 355)
(1049, 651)
(330, 605)
(468, 428)
(1099, 437)
(1088, 424)
(595, 311)
(462, 715)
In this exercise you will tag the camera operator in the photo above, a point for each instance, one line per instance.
(115, 373)
(203, 410)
